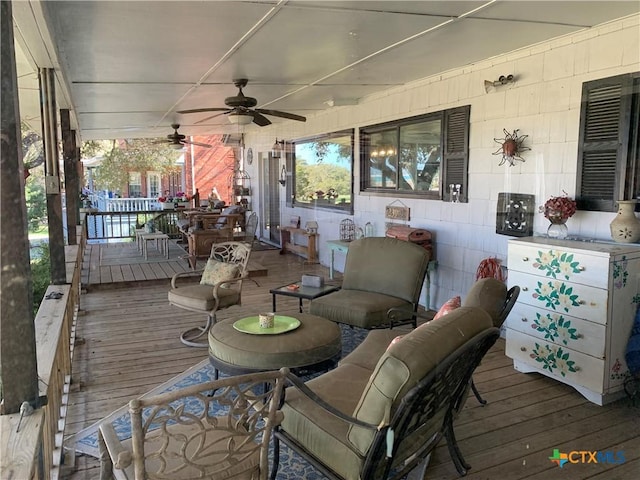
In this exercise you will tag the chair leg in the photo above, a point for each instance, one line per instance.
(456, 455)
(477, 393)
(276, 457)
(190, 337)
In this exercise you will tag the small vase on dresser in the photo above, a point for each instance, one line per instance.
(625, 227)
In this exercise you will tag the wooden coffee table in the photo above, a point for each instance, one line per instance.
(307, 293)
(314, 346)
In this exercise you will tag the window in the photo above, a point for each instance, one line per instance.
(323, 171)
(424, 156)
(153, 180)
(135, 185)
(608, 163)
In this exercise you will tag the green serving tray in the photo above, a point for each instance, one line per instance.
(281, 324)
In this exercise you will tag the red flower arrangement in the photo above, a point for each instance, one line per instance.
(559, 209)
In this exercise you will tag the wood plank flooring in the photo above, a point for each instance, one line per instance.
(118, 265)
(129, 344)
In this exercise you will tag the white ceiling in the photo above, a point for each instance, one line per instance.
(125, 67)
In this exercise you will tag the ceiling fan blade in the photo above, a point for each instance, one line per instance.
(206, 145)
(260, 120)
(212, 116)
(200, 110)
(277, 113)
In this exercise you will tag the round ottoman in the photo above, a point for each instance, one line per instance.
(315, 345)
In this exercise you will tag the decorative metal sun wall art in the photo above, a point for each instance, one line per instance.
(511, 147)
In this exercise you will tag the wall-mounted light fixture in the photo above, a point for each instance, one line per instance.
(283, 176)
(277, 149)
(502, 80)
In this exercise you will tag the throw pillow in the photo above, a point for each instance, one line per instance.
(448, 307)
(394, 341)
(216, 272)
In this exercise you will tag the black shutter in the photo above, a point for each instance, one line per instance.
(291, 177)
(456, 151)
(603, 144)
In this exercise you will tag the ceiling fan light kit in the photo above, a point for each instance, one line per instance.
(239, 109)
(237, 118)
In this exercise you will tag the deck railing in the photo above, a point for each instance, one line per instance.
(106, 204)
(118, 225)
(35, 450)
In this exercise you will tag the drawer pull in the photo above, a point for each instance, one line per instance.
(525, 289)
(579, 335)
(581, 268)
(582, 302)
(524, 319)
(576, 368)
(525, 259)
(523, 349)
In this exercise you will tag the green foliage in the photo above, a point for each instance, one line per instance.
(324, 176)
(133, 155)
(40, 274)
(36, 199)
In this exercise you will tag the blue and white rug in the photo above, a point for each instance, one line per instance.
(291, 466)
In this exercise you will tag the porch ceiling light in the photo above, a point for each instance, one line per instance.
(240, 118)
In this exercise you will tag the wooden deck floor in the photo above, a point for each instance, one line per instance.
(129, 344)
(110, 265)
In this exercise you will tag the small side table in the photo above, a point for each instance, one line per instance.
(139, 233)
(307, 293)
(162, 243)
(307, 251)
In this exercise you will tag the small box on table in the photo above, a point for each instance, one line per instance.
(312, 281)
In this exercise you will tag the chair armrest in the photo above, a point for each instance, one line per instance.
(120, 457)
(299, 384)
(399, 316)
(192, 273)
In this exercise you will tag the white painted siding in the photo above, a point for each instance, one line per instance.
(544, 104)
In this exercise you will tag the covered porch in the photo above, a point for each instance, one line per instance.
(127, 344)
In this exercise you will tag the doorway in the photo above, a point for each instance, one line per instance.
(270, 199)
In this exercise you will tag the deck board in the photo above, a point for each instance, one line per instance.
(129, 345)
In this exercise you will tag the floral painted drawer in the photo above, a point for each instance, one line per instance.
(559, 264)
(559, 296)
(574, 313)
(563, 363)
(560, 329)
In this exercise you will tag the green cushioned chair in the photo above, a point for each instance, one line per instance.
(380, 273)
(209, 297)
(354, 423)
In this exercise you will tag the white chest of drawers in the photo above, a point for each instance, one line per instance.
(574, 314)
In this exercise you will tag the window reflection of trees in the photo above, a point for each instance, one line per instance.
(324, 171)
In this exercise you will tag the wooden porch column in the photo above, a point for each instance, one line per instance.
(52, 175)
(18, 367)
(71, 179)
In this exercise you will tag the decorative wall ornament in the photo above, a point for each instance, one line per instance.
(514, 214)
(511, 147)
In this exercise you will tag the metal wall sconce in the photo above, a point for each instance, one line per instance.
(277, 149)
(283, 176)
(502, 80)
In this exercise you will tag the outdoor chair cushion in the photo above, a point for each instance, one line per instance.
(222, 220)
(357, 307)
(373, 395)
(200, 297)
(490, 295)
(216, 272)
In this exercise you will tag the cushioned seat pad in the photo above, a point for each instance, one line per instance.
(200, 297)
(315, 340)
(357, 307)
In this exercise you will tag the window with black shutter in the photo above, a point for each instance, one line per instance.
(424, 156)
(608, 163)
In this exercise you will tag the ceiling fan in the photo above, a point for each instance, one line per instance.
(177, 140)
(239, 109)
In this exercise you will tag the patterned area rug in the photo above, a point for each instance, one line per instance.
(292, 466)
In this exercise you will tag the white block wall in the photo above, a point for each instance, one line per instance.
(544, 103)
